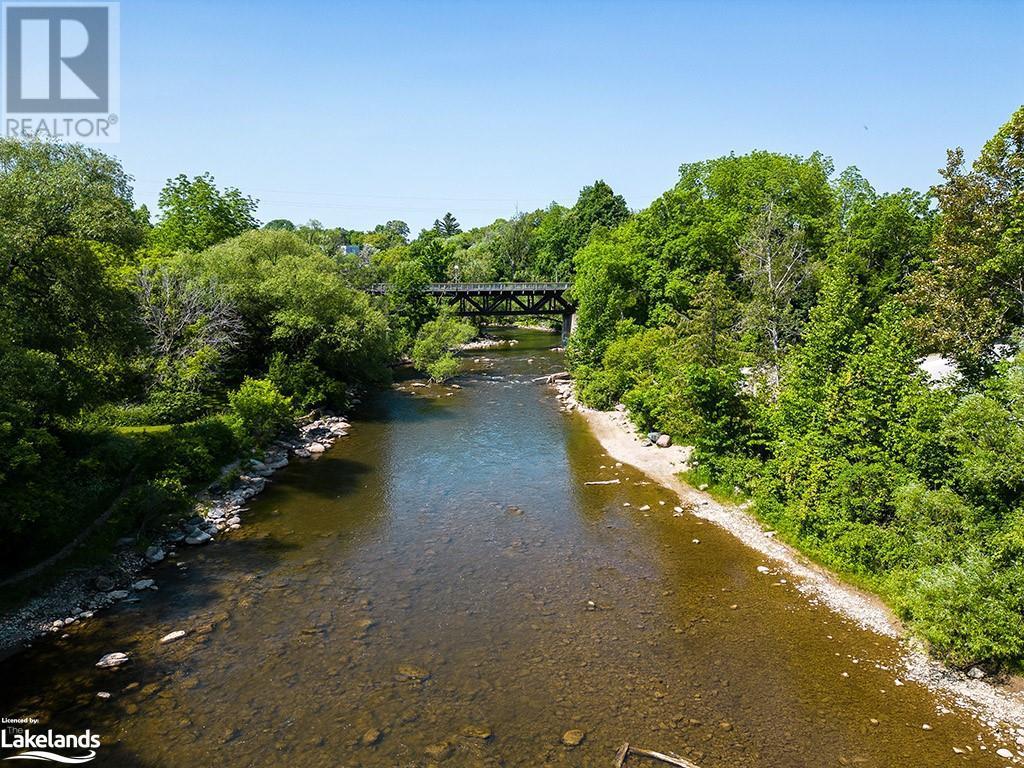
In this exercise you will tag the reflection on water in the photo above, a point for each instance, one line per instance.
(441, 588)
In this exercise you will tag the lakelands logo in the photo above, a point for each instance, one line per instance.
(61, 74)
(40, 746)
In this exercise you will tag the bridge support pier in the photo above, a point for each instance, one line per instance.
(568, 326)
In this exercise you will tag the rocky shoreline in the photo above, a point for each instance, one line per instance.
(999, 705)
(217, 511)
(487, 342)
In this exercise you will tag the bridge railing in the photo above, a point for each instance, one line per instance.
(456, 288)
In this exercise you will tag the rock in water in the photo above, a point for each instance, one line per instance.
(481, 732)
(439, 751)
(115, 659)
(371, 737)
(172, 636)
(573, 738)
(142, 584)
(199, 537)
(412, 672)
(154, 555)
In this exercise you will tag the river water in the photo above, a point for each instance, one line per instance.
(442, 588)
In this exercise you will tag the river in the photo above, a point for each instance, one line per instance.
(442, 588)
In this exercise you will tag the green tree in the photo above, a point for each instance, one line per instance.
(436, 342)
(447, 225)
(973, 293)
(67, 314)
(195, 214)
(280, 224)
(709, 328)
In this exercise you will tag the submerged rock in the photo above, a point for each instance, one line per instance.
(481, 732)
(371, 737)
(439, 751)
(573, 738)
(170, 637)
(115, 659)
(412, 672)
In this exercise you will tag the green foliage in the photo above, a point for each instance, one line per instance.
(447, 225)
(969, 610)
(773, 318)
(435, 344)
(195, 214)
(317, 337)
(258, 411)
(973, 291)
(280, 224)
(67, 322)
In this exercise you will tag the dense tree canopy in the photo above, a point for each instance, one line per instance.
(773, 315)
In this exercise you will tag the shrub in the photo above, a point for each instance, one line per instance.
(259, 411)
(969, 611)
(435, 341)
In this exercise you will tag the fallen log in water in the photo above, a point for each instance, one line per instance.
(620, 756)
(625, 750)
(602, 482)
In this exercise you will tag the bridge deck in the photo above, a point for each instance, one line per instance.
(499, 299)
(484, 289)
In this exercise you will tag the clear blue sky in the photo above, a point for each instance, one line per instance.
(358, 112)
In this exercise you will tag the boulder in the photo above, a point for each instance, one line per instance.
(104, 583)
(663, 441)
(198, 537)
(142, 584)
(155, 555)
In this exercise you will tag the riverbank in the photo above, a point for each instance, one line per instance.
(1000, 705)
(218, 510)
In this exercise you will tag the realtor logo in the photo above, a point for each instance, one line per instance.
(61, 75)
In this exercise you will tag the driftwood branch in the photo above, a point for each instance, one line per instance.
(670, 759)
(625, 750)
(602, 482)
(620, 756)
